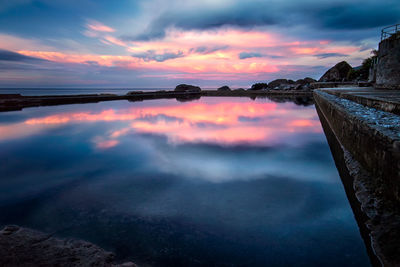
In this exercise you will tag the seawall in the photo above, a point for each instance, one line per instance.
(365, 143)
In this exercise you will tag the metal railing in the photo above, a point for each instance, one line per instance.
(389, 31)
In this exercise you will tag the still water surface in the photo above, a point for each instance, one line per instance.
(218, 181)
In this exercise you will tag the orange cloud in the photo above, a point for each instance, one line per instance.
(221, 47)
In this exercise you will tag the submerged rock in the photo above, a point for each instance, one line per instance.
(25, 247)
(187, 88)
(337, 73)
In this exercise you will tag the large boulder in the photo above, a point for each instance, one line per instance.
(278, 83)
(305, 81)
(187, 88)
(259, 86)
(224, 88)
(338, 73)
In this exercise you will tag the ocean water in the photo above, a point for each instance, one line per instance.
(212, 182)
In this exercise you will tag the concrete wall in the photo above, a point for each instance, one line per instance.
(372, 160)
(388, 67)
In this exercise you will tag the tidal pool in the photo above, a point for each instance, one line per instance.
(217, 181)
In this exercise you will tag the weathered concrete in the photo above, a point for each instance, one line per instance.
(340, 155)
(388, 65)
(386, 100)
(26, 247)
(370, 141)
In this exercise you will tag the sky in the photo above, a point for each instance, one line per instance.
(159, 43)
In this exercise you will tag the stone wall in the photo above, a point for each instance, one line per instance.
(388, 66)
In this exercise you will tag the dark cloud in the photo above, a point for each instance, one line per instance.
(327, 55)
(245, 55)
(208, 50)
(359, 15)
(249, 119)
(318, 15)
(152, 55)
(6, 55)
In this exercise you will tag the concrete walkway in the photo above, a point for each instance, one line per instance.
(385, 100)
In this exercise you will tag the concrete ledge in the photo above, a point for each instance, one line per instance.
(371, 135)
(370, 141)
(384, 100)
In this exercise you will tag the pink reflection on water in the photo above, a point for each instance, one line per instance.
(233, 121)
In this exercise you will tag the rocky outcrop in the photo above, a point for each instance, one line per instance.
(305, 81)
(285, 85)
(337, 73)
(25, 247)
(259, 86)
(224, 88)
(187, 88)
(280, 83)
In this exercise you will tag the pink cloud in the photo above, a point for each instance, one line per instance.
(98, 26)
(215, 64)
(105, 144)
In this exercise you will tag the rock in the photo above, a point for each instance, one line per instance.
(338, 73)
(303, 84)
(187, 88)
(259, 86)
(224, 88)
(25, 247)
(132, 93)
(286, 87)
(9, 229)
(276, 83)
(309, 80)
(298, 86)
(127, 264)
(305, 81)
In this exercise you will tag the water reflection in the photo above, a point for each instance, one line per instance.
(216, 181)
(230, 122)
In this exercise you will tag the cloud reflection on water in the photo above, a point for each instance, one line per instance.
(231, 122)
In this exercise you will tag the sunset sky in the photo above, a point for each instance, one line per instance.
(159, 43)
